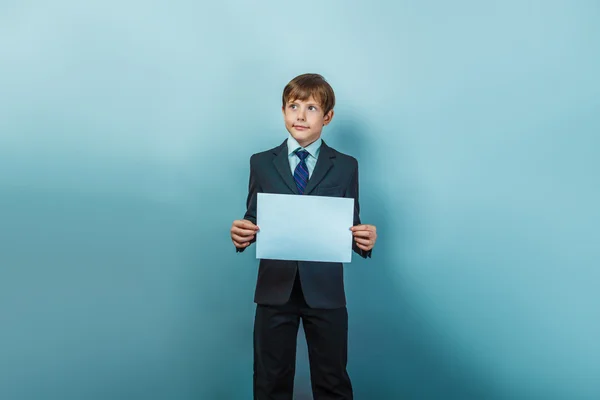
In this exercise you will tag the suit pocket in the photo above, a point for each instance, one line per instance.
(330, 191)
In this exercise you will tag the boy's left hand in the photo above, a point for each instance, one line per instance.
(364, 236)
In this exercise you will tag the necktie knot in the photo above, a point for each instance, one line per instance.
(302, 154)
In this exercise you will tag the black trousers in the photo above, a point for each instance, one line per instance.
(275, 334)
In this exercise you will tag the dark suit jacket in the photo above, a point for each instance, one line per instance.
(336, 175)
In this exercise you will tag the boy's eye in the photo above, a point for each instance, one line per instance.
(293, 106)
(312, 108)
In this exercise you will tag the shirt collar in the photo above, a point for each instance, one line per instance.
(313, 148)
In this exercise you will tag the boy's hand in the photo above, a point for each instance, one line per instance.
(364, 236)
(242, 233)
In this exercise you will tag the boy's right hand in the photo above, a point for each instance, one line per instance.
(243, 233)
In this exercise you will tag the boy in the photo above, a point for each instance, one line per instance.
(287, 291)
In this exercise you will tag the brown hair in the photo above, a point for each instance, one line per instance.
(306, 85)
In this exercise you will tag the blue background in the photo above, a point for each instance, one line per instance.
(126, 129)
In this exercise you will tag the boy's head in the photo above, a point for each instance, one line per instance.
(308, 102)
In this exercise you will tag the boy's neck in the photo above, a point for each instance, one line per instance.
(306, 144)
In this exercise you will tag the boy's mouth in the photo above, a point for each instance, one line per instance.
(300, 127)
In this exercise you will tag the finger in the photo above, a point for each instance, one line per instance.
(364, 227)
(366, 242)
(363, 247)
(245, 224)
(241, 239)
(242, 232)
(366, 234)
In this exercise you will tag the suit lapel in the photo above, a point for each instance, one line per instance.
(282, 165)
(323, 166)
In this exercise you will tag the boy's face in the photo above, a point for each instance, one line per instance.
(304, 120)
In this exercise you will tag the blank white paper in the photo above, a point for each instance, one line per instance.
(304, 228)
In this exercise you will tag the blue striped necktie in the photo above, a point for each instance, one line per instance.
(301, 171)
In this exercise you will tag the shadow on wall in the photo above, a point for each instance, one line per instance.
(393, 351)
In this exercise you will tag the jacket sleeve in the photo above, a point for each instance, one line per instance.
(253, 190)
(352, 192)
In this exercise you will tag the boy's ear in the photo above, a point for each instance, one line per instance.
(328, 117)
